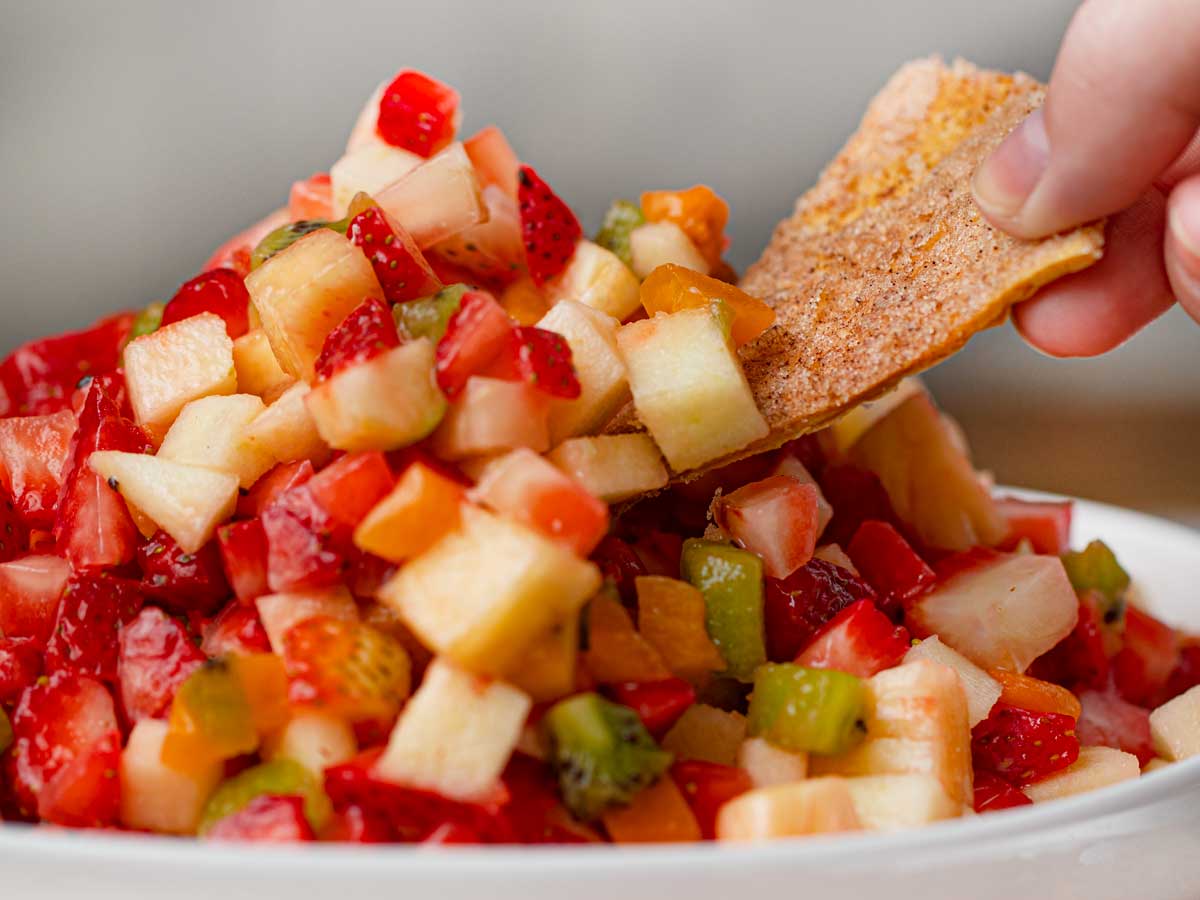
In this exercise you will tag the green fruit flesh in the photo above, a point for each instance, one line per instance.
(812, 710)
(280, 778)
(620, 220)
(1095, 568)
(429, 316)
(147, 321)
(286, 235)
(731, 581)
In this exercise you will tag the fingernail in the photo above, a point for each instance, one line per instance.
(1007, 177)
(1185, 228)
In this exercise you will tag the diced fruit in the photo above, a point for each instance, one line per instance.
(602, 753)
(29, 591)
(155, 657)
(1022, 746)
(1036, 695)
(860, 640)
(889, 564)
(20, 666)
(490, 250)
(437, 199)
(86, 792)
(399, 265)
(483, 594)
(1045, 525)
(658, 703)
(1186, 674)
(93, 606)
(981, 689)
(817, 806)
(368, 169)
(156, 797)
(689, 387)
(775, 518)
(527, 489)
(1002, 614)
(1080, 659)
(286, 429)
(797, 608)
(848, 428)
(268, 817)
(1095, 768)
(670, 288)
(244, 557)
(492, 416)
(279, 612)
(540, 357)
(548, 669)
(698, 211)
(769, 765)
(671, 618)
(421, 509)
(613, 467)
(1106, 720)
(455, 735)
(494, 159)
(657, 244)
(302, 293)
(418, 113)
(707, 734)
(916, 722)
(277, 778)
(856, 496)
(549, 229)
(1095, 568)
(316, 740)
(211, 719)
(235, 253)
(731, 581)
(218, 291)
(524, 301)
(285, 235)
(993, 793)
(311, 198)
(707, 787)
(178, 363)
(806, 710)
(429, 317)
(929, 477)
(366, 332)
(1175, 727)
(619, 222)
(1144, 663)
(834, 554)
(615, 651)
(236, 630)
(306, 547)
(656, 814)
(258, 370)
(209, 432)
(598, 279)
(34, 457)
(892, 802)
(476, 334)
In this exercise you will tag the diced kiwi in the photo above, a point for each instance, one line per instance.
(815, 710)
(620, 220)
(1095, 568)
(281, 778)
(602, 753)
(429, 316)
(147, 321)
(6, 732)
(731, 581)
(286, 235)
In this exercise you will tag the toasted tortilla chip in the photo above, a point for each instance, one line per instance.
(887, 267)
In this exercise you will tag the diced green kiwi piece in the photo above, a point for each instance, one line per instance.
(286, 235)
(1095, 568)
(6, 732)
(280, 778)
(814, 710)
(147, 321)
(429, 316)
(602, 753)
(620, 220)
(731, 581)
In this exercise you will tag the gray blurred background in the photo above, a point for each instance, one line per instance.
(136, 136)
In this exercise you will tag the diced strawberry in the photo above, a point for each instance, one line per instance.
(856, 496)
(304, 547)
(860, 640)
(418, 113)
(14, 537)
(957, 563)
(280, 479)
(268, 819)
(20, 665)
(707, 786)
(452, 833)
(1021, 746)
(156, 656)
(402, 270)
(618, 561)
(1143, 665)
(30, 588)
(540, 357)
(475, 335)
(548, 227)
(236, 630)
(184, 582)
(1078, 661)
(368, 331)
(350, 487)
(311, 198)
(658, 703)
(86, 792)
(114, 387)
(535, 815)
(1109, 721)
(796, 608)
(775, 518)
(993, 793)
(1186, 674)
(889, 564)
(494, 160)
(660, 552)
(352, 825)
(1045, 525)
(92, 608)
(244, 557)
(56, 721)
(367, 573)
(220, 291)
(33, 456)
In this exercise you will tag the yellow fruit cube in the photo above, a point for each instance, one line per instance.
(663, 243)
(891, 802)
(286, 431)
(156, 797)
(612, 467)
(210, 432)
(817, 806)
(1175, 727)
(1096, 767)
(597, 278)
(258, 370)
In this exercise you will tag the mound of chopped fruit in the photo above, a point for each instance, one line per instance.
(322, 549)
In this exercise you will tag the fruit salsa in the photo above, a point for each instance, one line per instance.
(340, 544)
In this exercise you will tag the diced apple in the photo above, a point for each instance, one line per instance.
(181, 362)
(768, 765)
(982, 690)
(1003, 613)
(777, 518)
(368, 169)
(916, 722)
(1096, 767)
(891, 802)
(210, 432)
(422, 507)
(613, 467)
(385, 403)
(846, 430)
(597, 278)
(187, 502)
(707, 733)
(484, 594)
(1175, 727)
(817, 806)
(456, 734)
(155, 797)
(491, 416)
(492, 248)
(304, 292)
(689, 387)
(793, 468)
(316, 740)
(660, 243)
(279, 612)
(437, 199)
(286, 429)
(258, 370)
(604, 387)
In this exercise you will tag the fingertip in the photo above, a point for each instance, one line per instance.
(1182, 244)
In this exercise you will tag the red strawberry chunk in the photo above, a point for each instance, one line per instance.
(452, 833)
(889, 564)
(350, 487)
(1109, 721)
(156, 656)
(14, 537)
(1021, 746)
(1186, 674)
(353, 825)
(796, 608)
(267, 818)
(1143, 666)
(244, 556)
(535, 816)
(860, 640)
(270, 486)
(311, 198)
(856, 496)
(658, 703)
(184, 582)
(1079, 660)
(237, 629)
(1045, 525)
(993, 793)
(549, 229)
(402, 270)
(220, 291)
(475, 335)
(20, 665)
(34, 451)
(86, 793)
(417, 113)
(707, 786)
(30, 588)
(92, 608)
(776, 518)
(305, 549)
(540, 357)
(368, 331)
(618, 561)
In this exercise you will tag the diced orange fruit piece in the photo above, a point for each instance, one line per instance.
(547, 670)
(422, 507)
(524, 301)
(671, 617)
(616, 652)
(658, 814)
(671, 288)
(211, 719)
(698, 210)
(1036, 695)
(264, 681)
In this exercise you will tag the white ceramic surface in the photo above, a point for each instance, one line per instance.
(1135, 841)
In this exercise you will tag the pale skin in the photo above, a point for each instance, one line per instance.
(1119, 136)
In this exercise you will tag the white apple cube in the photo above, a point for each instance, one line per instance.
(689, 387)
(483, 595)
(982, 690)
(176, 364)
(187, 502)
(279, 612)
(315, 740)
(833, 553)
(437, 199)
(304, 292)
(492, 416)
(1096, 767)
(210, 432)
(456, 734)
(155, 797)
(846, 430)
(286, 431)
(1175, 727)
(368, 169)
(258, 370)
(768, 765)
(892, 802)
(613, 467)
(597, 278)
(657, 244)
(817, 806)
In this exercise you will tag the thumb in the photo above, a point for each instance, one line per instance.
(1123, 103)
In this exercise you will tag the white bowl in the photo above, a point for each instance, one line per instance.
(1135, 840)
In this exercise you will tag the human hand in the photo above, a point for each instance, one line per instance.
(1119, 136)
